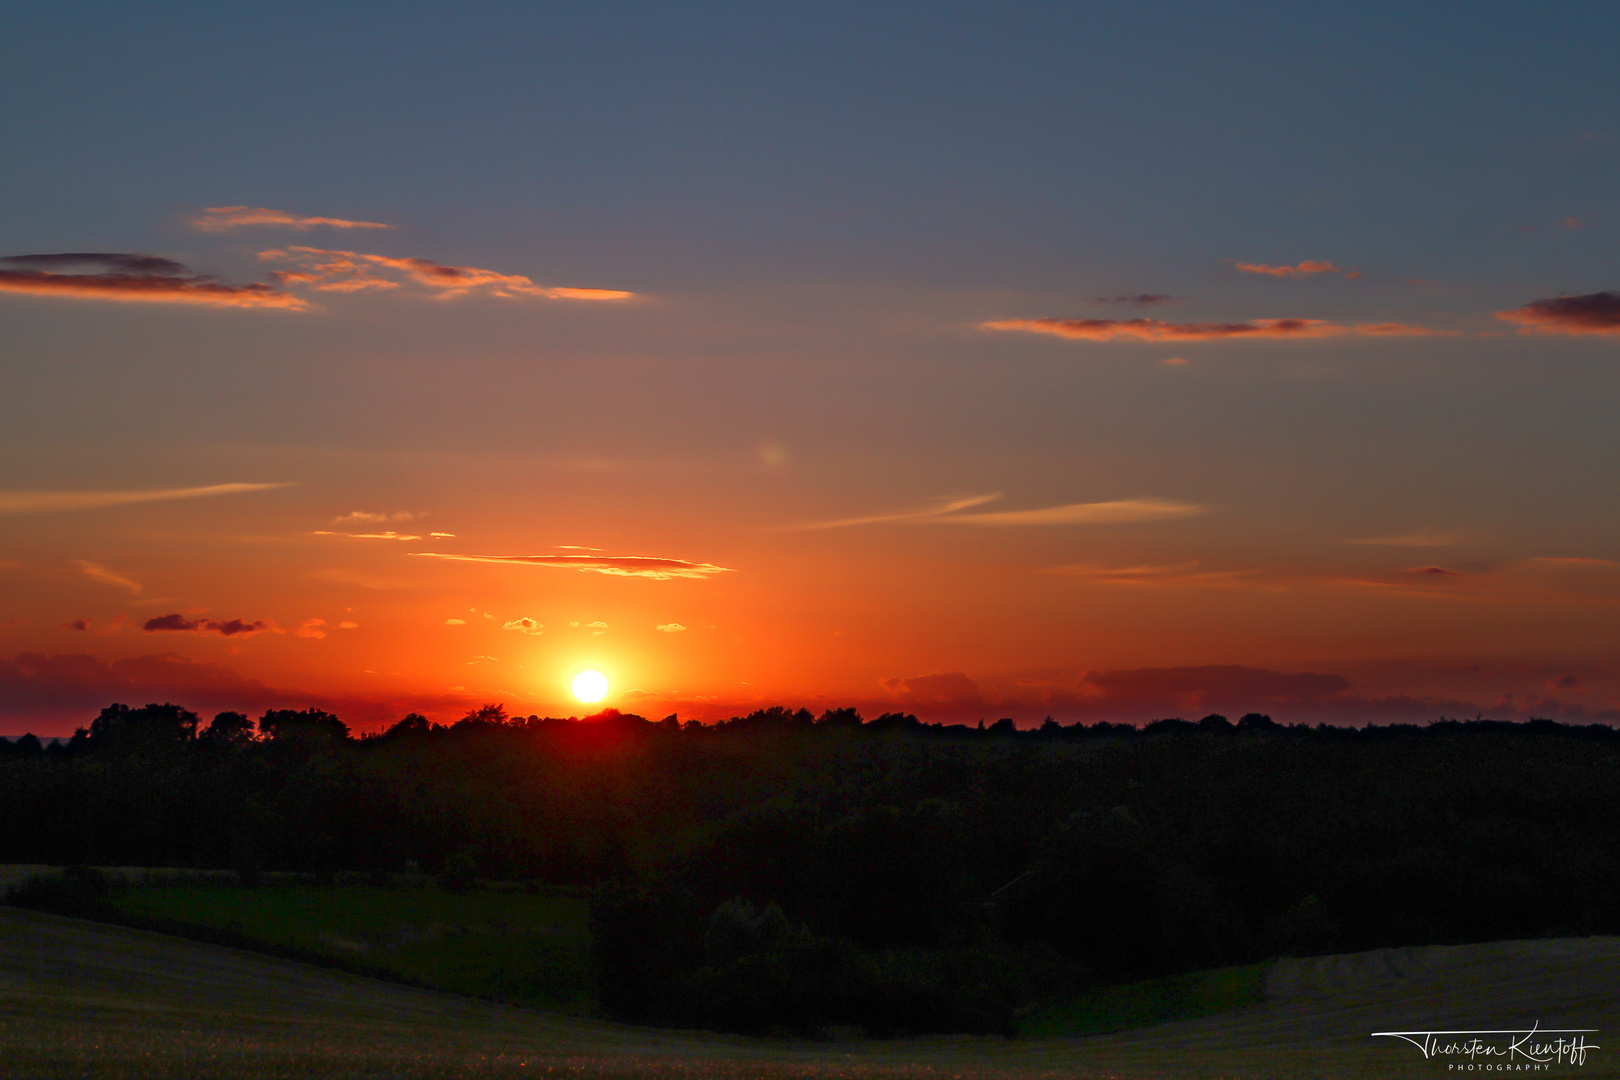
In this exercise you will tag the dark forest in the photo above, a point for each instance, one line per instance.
(788, 872)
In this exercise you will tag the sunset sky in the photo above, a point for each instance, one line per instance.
(967, 360)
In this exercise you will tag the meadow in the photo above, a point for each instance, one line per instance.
(93, 1001)
(508, 945)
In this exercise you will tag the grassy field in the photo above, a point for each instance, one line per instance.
(89, 1000)
(1154, 1001)
(508, 946)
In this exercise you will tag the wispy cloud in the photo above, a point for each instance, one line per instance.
(177, 623)
(354, 271)
(1180, 575)
(1306, 268)
(646, 566)
(1136, 300)
(39, 502)
(97, 572)
(525, 625)
(1157, 330)
(117, 276)
(453, 621)
(1423, 538)
(311, 628)
(1592, 313)
(670, 628)
(366, 517)
(223, 218)
(389, 534)
(949, 512)
(937, 509)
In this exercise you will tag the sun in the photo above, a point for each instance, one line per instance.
(590, 686)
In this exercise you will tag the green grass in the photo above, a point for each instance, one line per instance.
(1154, 1001)
(508, 946)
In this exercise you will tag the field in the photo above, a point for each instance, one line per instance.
(81, 999)
(507, 946)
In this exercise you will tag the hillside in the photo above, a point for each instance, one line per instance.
(84, 999)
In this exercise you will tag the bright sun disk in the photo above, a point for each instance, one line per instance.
(590, 686)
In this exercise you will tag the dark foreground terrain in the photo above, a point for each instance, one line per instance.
(80, 999)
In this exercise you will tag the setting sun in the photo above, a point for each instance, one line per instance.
(590, 686)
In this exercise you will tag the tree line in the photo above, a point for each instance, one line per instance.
(796, 872)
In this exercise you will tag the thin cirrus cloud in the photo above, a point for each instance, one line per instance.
(950, 512)
(1180, 575)
(39, 502)
(101, 275)
(387, 534)
(177, 623)
(353, 271)
(1423, 538)
(670, 628)
(97, 572)
(1303, 269)
(225, 218)
(1592, 313)
(644, 566)
(1158, 330)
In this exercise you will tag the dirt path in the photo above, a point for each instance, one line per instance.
(81, 999)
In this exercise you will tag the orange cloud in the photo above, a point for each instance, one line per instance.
(646, 566)
(1179, 575)
(39, 502)
(97, 572)
(1421, 538)
(949, 512)
(353, 271)
(1304, 269)
(1593, 313)
(1157, 330)
(221, 218)
(133, 278)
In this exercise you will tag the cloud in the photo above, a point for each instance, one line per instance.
(1432, 571)
(1157, 330)
(646, 566)
(1119, 512)
(387, 535)
(365, 517)
(235, 627)
(1182, 575)
(455, 622)
(354, 271)
(39, 502)
(97, 572)
(117, 276)
(525, 625)
(347, 625)
(671, 628)
(1592, 313)
(948, 512)
(344, 576)
(222, 218)
(951, 690)
(1304, 269)
(311, 628)
(1139, 300)
(1571, 223)
(76, 624)
(1421, 538)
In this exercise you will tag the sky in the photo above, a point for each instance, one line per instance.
(1075, 360)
